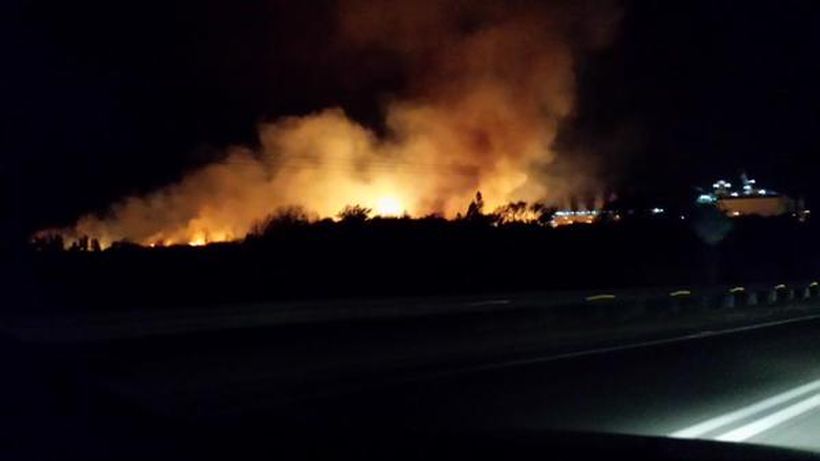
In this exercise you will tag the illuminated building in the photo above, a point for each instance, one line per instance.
(563, 218)
(747, 200)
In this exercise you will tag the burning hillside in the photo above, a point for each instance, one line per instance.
(488, 88)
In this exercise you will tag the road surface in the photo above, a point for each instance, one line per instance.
(757, 386)
(754, 385)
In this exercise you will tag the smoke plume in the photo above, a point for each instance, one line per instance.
(487, 88)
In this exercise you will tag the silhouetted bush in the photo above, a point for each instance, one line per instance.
(288, 219)
(354, 214)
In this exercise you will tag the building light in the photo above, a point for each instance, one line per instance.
(734, 194)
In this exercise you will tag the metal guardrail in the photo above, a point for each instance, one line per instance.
(634, 303)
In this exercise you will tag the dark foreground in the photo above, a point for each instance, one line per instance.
(417, 257)
(191, 395)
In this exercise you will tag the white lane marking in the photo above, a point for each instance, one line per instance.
(764, 424)
(656, 342)
(604, 350)
(492, 302)
(720, 421)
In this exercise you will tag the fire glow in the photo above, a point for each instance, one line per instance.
(481, 113)
(388, 207)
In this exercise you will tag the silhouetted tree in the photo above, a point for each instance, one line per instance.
(354, 214)
(475, 212)
(287, 218)
(476, 208)
(81, 244)
(95, 245)
(543, 213)
(513, 212)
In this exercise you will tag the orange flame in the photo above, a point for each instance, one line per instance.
(481, 113)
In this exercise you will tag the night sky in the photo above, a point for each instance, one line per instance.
(104, 99)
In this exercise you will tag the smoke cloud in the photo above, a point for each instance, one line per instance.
(487, 90)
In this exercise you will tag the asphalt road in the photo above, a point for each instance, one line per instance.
(758, 386)
(753, 385)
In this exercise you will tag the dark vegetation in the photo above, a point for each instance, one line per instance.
(286, 256)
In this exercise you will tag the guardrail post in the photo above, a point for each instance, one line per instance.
(733, 298)
(604, 306)
(751, 299)
(772, 298)
(608, 306)
(679, 301)
(728, 301)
